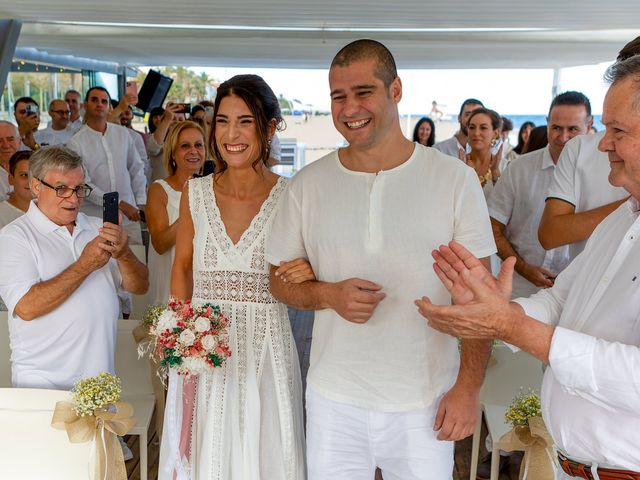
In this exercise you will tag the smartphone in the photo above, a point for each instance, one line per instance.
(132, 89)
(31, 109)
(496, 147)
(184, 108)
(110, 203)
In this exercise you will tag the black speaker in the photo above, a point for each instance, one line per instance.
(153, 91)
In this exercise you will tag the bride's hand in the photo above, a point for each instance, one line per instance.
(295, 271)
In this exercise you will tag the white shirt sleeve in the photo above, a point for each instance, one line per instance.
(19, 268)
(606, 373)
(563, 185)
(285, 241)
(472, 227)
(502, 199)
(153, 147)
(135, 166)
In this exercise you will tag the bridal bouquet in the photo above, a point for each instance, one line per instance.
(190, 339)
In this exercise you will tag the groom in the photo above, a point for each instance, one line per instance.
(384, 390)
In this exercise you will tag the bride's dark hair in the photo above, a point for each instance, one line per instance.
(264, 106)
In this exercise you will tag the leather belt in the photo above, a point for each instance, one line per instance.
(580, 470)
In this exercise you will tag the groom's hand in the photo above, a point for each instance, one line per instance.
(457, 413)
(355, 299)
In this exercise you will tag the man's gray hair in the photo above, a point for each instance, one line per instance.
(55, 100)
(5, 122)
(53, 158)
(629, 68)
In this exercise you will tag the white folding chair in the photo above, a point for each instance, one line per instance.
(503, 381)
(140, 302)
(136, 385)
(30, 446)
(5, 351)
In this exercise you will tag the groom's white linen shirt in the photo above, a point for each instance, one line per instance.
(381, 227)
(77, 338)
(591, 392)
(112, 163)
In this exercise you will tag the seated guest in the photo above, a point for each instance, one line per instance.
(27, 114)
(58, 132)
(184, 154)
(20, 198)
(425, 132)
(9, 144)
(65, 270)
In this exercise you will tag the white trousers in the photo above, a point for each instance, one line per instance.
(345, 442)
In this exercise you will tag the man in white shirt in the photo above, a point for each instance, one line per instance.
(112, 163)
(517, 201)
(61, 273)
(585, 328)
(580, 196)
(74, 101)
(383, 389)
(9, 144)
(57, 133)
(27, 114)
(456, 145)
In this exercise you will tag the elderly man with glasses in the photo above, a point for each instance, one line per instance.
(57, 133)
(61, 271)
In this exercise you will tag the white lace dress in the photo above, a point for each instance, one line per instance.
(247, 422)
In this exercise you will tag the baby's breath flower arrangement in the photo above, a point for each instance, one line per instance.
(95, 393)
(523, 407)
(152, 313)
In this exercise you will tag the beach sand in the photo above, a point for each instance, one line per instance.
(320, 136)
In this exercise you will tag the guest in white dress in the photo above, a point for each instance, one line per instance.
(244, 420)
(184, 154)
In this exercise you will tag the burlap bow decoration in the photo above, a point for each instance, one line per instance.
(104, 427)
(537, 444)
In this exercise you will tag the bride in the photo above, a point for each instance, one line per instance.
(242, 421)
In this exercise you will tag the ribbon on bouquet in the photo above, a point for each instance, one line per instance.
(537, 444)
(103, 427)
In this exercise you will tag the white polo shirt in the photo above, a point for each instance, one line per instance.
(450, 146)
(581, 178)
(112, 164)
(76, 339)
(517, 202)
(591, 392)
(382, 227)
(49, 136)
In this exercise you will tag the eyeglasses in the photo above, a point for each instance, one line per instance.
(61, 112)
(81, 191)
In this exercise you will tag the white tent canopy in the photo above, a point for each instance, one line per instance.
(306, 34)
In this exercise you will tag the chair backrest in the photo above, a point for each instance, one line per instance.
(133, 371)
(30, 446)
(5, 351)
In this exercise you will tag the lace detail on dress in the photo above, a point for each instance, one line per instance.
(256, 226)
(241, 349)
(233, 286)
(259, 334)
